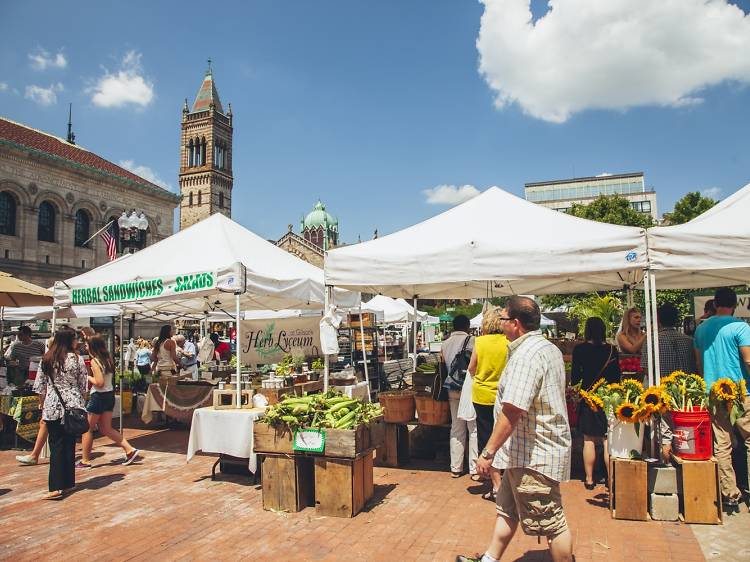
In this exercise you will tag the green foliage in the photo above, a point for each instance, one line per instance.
(468, 310)
(607, 307)
(689, 207)
(612, 209)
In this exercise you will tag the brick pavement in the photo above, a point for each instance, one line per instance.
(162, 507)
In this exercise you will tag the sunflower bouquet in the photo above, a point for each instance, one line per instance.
(627, 401)
(684, 392)
(725, 393)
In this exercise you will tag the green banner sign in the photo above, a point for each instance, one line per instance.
(143, 289)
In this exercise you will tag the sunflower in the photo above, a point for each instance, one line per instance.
(652, 396)
(698, 379)
(615, 387)
(725, 389)
(593, 401)
(632, 384)
(743, 388)
(627, 412)
(597, 384)
(644, 412)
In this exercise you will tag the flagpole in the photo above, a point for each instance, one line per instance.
(106, 226)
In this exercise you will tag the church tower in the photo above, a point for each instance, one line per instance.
(205, 156)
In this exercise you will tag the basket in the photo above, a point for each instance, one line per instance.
(398, 406)
(432, 412)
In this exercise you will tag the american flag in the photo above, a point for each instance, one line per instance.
(110, 242)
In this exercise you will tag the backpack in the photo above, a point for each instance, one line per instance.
(459, 366)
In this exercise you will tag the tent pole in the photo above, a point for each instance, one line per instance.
(364, 350)
(2, 330)
(655, 330)
(649, 334)
(326, 360)
(414, 331)
(54, 320)
(122, 372)
(237, 349)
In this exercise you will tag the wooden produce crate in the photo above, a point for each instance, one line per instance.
(287, 482)
(699, 491)
(628, 496)
(274, 395)
(343, 486)
(394, 451)
(340, 443)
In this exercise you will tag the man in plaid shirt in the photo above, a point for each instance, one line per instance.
(675, 349)
(531, 438)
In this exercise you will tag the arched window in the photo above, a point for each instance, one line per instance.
(190, 199)
(7, 214)
(83, 225)
(203, 152)
(199, 197)
(221, 200)
(46, 226)
(191, 154)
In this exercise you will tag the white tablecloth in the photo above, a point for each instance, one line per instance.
(224, 431)
(358, 390)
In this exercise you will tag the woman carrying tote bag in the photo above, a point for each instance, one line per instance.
(61, 384)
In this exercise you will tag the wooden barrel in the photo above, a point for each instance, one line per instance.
(432, 412)
(398, 405)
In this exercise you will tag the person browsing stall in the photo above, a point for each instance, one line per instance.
(164, 353)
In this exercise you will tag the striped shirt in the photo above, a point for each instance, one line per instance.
(534, 381)
(22, 352)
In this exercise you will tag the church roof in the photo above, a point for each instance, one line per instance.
(207, 95)
(319, 217)
(20, 136)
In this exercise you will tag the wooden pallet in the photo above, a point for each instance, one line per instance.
(343, 486)
(628, 496)
(699, 491)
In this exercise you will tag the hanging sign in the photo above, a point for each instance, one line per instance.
(742, 310)
(269, 340)
(309, 440)
(142, 289)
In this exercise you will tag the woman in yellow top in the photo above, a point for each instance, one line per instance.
(487, 363)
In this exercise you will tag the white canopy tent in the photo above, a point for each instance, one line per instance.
(45, 312)
(476, 322)
(393, 310)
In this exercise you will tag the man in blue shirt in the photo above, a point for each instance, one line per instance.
(722, 346)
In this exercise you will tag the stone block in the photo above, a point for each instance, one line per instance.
(662, 480)
(664, 507)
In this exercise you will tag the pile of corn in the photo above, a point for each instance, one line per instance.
(329, 410)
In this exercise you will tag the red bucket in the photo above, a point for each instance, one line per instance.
(692, 435)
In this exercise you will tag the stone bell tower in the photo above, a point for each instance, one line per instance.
(205, 156)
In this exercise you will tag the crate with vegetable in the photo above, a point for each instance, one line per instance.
(350, 426)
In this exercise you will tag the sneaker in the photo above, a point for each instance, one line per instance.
(129, 458)
(462, 558)
(27, 460)
(83, 465)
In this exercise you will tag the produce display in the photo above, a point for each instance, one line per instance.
(330, 410)
(427, 369)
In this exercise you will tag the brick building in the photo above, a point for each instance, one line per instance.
(205, 156)
(319, 231)
(54, 195)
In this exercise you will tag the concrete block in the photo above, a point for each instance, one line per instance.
(662, 480)
(665, 507)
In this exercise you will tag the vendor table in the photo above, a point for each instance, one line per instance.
(26, 413)
(226, 432)
(177, 401)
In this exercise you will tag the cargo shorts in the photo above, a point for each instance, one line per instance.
(533, 500)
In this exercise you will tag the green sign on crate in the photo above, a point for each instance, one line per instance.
(309, 440)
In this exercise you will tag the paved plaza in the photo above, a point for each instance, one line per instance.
(162, 508)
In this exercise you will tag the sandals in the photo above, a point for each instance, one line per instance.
(490, 496)
(589, 486)
(456, 474)
(54, 495)
(476, 478)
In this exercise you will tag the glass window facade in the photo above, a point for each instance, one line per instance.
(586, 188)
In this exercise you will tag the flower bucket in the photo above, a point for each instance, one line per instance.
(692, 435)
(622, 438)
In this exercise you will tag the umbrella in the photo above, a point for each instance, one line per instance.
(15, 292)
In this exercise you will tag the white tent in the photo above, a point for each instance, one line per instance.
(393, 310)
(200, 269)
(712, 250)
(46, 312)
(494, 244)
(476, 322)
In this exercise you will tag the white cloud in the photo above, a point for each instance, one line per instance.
(450, 194)
(613, 54)
(126, 86)
(42, 60)
(712, 192)
(603, 175)
(3, 87)
(145, 172)
(44, 96)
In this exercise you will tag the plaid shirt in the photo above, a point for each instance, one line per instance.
(675, 353)
(534, 381)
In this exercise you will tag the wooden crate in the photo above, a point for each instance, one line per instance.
(699, 491)
(343, 486)
(628, 496)
(227, 399)
(340, 443)
(274, 395)
(394, 451)
(287, 482)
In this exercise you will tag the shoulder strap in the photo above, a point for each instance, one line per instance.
(466, 342)
(54, 386)
(607, 362)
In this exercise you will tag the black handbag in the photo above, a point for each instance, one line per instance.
(457, 372)
(75, 420)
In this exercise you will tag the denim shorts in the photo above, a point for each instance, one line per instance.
(100, 402)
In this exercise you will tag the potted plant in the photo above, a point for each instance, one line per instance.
(317, 366)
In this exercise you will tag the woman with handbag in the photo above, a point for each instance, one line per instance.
(61, 384)
(101, 404)
(592, 360)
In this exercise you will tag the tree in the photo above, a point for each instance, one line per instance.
(689, 207)
(612, 209)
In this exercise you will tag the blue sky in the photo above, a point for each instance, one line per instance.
(368, 104)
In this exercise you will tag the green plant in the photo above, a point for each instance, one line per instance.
(607, 307)
(317, 364)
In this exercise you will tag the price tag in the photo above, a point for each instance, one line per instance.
(309, 440)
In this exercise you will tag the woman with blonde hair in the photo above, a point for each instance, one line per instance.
(630, 338)
(487, 363)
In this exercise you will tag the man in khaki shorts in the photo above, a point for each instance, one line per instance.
(531, 438)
